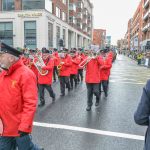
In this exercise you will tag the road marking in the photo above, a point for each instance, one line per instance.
(88, 130)
(119, 81)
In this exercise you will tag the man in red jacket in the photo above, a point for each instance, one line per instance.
(64, 72)
(105, 72)
(56, 63)
(45, 81)
(80, 69)
(18, 99)
(74, 68)
(92, 80)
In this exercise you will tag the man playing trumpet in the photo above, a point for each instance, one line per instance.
(92, 77)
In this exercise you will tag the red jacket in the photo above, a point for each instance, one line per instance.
(56, 59)
(105, 69)
(82, 58)
(47, 79)
(75, 65)
(18, 99)
(66, 67)
(110, 55)
(92, 70)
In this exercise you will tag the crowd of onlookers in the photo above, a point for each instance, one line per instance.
(142, 57)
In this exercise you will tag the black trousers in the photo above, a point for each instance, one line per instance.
(64, 81)
(80, 75)
(73, 77)
(92, 89)
(104, 84)
(48, 87)
(55, 71)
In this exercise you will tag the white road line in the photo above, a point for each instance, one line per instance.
(119, 81)
(88, 130)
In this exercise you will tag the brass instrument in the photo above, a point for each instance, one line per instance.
(59, 67)
(88, 59)
(39, 63)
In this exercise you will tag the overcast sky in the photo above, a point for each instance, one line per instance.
(113, 15)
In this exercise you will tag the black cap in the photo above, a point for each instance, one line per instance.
(4, 48)
(65, 50)
(55, 49)
(44, 50)
(73, 51)
(32, 50)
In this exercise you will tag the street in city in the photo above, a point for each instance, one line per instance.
(66, 125)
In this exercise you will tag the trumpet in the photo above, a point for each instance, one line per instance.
(87, 60)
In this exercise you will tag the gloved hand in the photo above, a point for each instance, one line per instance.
(22, 133)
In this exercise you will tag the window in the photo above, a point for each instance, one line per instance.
(6, 32)
(64, 1)
(57, 36)
(64, 36)
(30, 34)
(8, 5)
(48, 5)
(58, 12)
(63, 16)
(50, 34)
(72, 19)
(33, 4)
(72, 6)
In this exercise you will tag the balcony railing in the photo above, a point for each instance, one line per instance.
(146, 15)
(145, 28)
(146, 3)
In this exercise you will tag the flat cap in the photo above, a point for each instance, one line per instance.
(4, 48)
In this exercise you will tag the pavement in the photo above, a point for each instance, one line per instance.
(66, 125)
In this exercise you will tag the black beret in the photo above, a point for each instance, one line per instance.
(4, 48)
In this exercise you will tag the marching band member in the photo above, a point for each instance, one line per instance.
(56, 63)
(64, 71)
(80, 69)
(105, 72)
(74, 68)
(45, 81)
(92, 79)
(18, 99)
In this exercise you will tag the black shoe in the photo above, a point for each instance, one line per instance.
(69, 89)
(97, 103)
(106, 94)
(53, 99)
(62, 94)
(41, 104)
(88, 108)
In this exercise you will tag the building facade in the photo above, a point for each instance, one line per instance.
(136, 28)
(146, 25)
(99, 37)
(38, 23)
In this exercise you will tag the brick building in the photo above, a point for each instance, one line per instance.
(99, 37)
(146, 25)
(136, 28)
(38, 23)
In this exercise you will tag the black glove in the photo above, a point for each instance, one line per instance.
(22, 133)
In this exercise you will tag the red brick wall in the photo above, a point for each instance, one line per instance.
(97, 34)
(61, 6)
(18, 5)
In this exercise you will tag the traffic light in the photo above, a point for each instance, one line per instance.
(61, 43)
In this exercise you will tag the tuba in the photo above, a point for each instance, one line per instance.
(39, 63)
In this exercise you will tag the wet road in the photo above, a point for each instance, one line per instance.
(66, 125)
